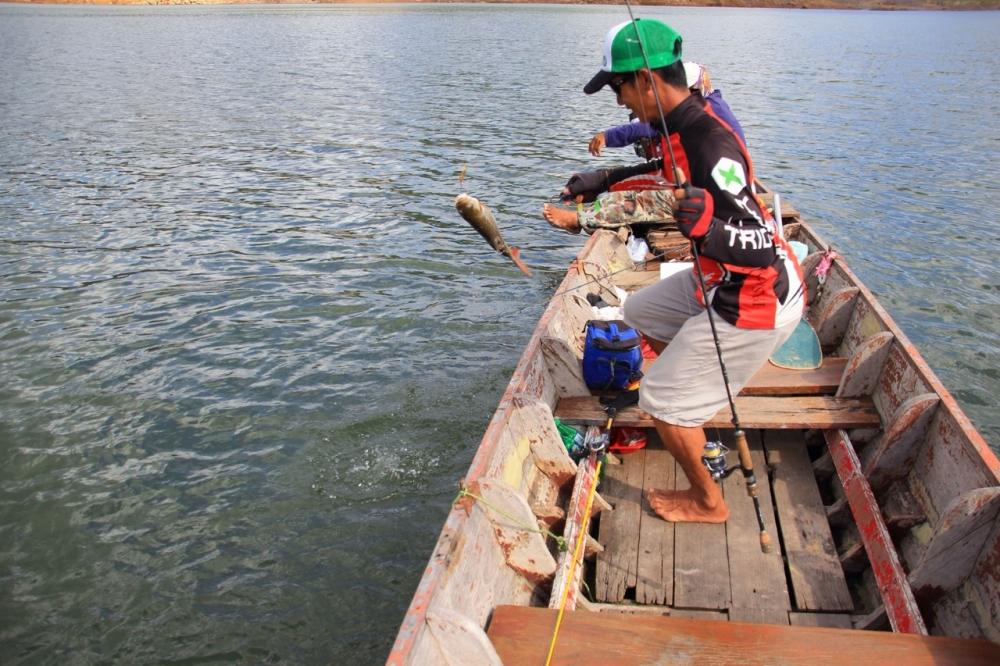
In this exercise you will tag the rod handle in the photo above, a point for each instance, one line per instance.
(765, 542)
(746, 462)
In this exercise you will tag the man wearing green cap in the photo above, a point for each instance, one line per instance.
(753, 282)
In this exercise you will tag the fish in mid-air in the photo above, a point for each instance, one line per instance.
(478, 214)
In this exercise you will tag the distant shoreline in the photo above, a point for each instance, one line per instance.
(876, 5)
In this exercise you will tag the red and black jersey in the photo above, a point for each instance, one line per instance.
(752, 276)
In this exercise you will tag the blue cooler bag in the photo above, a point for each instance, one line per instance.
(612, 357)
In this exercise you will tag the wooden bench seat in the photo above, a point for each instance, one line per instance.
(772, 380)
(782, 412)
(521, 635)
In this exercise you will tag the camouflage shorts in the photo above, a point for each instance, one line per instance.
(618, 209)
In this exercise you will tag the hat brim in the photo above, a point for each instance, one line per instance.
(601, 79)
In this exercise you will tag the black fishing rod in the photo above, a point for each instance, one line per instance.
(746, 462)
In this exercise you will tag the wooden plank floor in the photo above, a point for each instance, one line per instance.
(817, 578)
(720, 568)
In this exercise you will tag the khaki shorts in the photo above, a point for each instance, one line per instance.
(684, 384)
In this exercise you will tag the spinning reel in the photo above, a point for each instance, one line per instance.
(714, 459)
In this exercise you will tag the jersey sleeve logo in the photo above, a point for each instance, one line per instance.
(728, 175)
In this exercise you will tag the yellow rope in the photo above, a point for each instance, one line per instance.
(572, 566)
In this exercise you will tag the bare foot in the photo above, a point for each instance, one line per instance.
(665, 498)
(560, 218)
(681, 506)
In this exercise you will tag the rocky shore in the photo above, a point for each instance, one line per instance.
(887, 5)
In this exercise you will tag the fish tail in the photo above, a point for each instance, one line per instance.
(515, 255)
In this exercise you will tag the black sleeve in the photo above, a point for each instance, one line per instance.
(619, 174)
(738, 234)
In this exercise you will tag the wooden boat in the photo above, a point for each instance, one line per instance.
(882, 497)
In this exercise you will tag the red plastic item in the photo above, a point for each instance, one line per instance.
(647, 351)
(627, 440)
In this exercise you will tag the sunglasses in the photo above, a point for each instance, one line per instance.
(616, 83)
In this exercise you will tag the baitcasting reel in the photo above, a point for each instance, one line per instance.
(714, 459)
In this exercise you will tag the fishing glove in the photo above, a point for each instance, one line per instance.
(693, 212)
(588, 184)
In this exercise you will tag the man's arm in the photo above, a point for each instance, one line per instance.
(590, 184)
(627, 134)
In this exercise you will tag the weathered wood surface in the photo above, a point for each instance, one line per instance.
(562, 345)
(534, 421)
(984, 585)
(891, 455)
(899, 508)
(655, 581)
(616, 569)
(818, 581)
(513, 523)
(865, 366)
(757, 579)
(699, 614)
(772, 380)
(792, 412)
(946, 466)
(958, 613)
(957, 542)
(831, 321)
(829, 620)
(460, 641)
(569, 571)
(953, 457)
(669, 244)
(759, 615)
(897, 596)
(701, 561)
(522, 636)
(634, 280)
(946, 461)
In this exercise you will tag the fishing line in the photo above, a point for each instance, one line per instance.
(597, 281)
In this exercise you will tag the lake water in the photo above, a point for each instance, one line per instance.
(247, 347)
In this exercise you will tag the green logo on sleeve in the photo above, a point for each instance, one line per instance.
(729, 176)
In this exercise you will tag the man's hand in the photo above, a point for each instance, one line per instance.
(597, 144)
(693, 211)
(588, 184)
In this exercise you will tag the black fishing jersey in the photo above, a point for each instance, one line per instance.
(752, 276)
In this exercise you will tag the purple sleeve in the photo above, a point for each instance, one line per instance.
(722, 110)
(627, 134)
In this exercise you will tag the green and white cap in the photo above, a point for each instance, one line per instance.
(623, 52)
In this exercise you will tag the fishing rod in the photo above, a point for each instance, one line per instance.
(746, 462)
